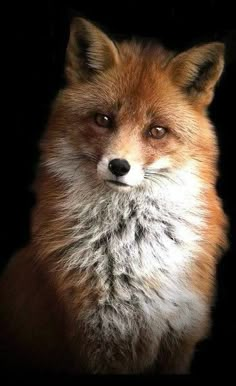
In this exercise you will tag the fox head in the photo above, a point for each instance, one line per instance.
(132, 112)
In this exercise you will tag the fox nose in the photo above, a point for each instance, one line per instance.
(119, 167)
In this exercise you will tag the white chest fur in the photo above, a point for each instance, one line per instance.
(139, 246)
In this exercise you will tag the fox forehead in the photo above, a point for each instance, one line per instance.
(136, 78)
(138, 90)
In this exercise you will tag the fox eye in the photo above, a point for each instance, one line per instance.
(103, 120)
(157, 132)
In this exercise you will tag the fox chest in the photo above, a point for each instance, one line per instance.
(140, 261)
(142, 266)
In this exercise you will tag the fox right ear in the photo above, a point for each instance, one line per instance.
(89, 51)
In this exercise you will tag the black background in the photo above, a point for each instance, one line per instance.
(34, 41)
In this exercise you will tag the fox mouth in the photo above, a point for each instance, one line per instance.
(118, 183)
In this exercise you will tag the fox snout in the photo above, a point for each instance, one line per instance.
(119, 172)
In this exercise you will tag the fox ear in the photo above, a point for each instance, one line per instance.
(89, 50)
(197, 71)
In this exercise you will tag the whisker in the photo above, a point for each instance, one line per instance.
(159, 173)
(166, 176)
(160, 170)
(153, 179)
(86, 156)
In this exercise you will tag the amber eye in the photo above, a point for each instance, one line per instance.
(103, 120)
(157, 132)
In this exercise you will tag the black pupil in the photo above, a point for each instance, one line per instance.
(103, 120)
(157, 131)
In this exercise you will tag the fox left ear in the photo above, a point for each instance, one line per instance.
(197, 71)
(89, 50)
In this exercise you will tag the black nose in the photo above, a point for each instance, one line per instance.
(119, 167)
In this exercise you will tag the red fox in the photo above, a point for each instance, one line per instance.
(127, 230)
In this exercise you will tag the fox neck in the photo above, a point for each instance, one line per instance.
(163, 221)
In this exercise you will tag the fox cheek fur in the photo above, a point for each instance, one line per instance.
(119, 275)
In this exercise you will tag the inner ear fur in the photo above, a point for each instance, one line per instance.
(197, 71)
(89, 50)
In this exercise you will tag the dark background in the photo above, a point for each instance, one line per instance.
(34, 41)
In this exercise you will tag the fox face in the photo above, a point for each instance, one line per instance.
(131, 113)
